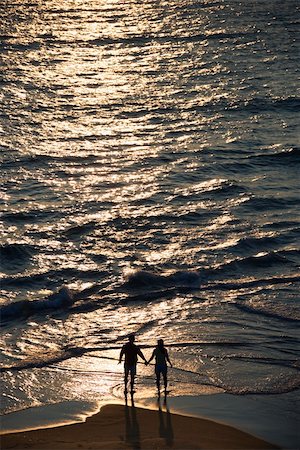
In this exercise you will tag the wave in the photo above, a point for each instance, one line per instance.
(291, 155)
(262, 259)
(269, 203)
(29, 216)
(280, 386)
(33, 45)
(254, 243)
(253, 105)
(24, 308)
(149, 38)
(143, 278)
(260, 104)
(15, 255)
(290, 254)
(64, 300)
(284, 225)
(40, 360)
(272, 312)
(260, 282)
(188, 281)
(140, 286)
(79, 230)
(46, 160)
(62, 274)
(10, 43)
(214, 187)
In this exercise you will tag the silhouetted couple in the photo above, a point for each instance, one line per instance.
(131, 353)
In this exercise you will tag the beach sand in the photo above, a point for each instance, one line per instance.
(128, 427)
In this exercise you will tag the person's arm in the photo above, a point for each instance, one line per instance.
(121, 354)
(140, 353)
(168, 359)
(153, 354)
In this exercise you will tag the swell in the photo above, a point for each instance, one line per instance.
(150, 286)
(262, 259)
(66, 302)
(143, 278)
(24, 308)
(52, 275)
(289, 156)
(222, 187)
(237, 285)
(137, 40)
(46, 160)
(269, 203)
(29, 216)
(79, 230)
(60, 304)
(258, 244)
(254, 105)
(200, 278)
(263, 312)
(140, 286)
(15, 255)
(268, 104)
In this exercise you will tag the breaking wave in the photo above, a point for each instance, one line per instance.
(24, 308)
(139, 286)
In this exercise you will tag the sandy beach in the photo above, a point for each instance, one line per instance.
(118, 427)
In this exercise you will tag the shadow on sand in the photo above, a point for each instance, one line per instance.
(165, 422)
(132, 428)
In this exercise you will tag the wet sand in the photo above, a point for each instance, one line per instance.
(118, 427)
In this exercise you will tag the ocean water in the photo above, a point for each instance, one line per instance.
(150, 184)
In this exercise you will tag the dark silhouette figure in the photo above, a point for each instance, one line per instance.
(131, 352)
(132, 429)
(160, 353)
(165, 423)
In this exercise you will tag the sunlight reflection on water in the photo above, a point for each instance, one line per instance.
(150, 164)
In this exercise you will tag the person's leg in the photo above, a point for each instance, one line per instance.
(126, 372)
(165, 380)
(131, 380)
(157, 373)
(132, 376)
(165, 377)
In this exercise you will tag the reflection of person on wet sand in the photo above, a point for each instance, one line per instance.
(131, 352)
(160, 353)
(132, 431)
(165, 427)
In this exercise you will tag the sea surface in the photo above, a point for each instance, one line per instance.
(150, 184)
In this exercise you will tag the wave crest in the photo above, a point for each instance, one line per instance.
(143, 278)
(24, 308)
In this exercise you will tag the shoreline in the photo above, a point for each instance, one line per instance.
(118, 426)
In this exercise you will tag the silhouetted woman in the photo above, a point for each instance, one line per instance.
(160, 353)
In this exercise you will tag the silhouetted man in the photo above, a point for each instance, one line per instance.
(131, 352)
